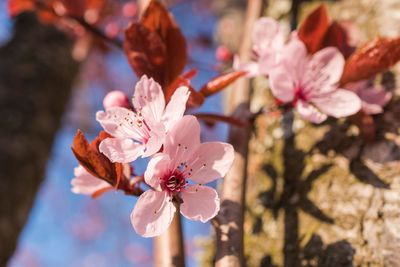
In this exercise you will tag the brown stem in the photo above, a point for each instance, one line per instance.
(212, 118)
(96, 32)
(168, 247)
(229, 222)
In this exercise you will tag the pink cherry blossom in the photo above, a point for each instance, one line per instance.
(268, 42)
(85, 183)
(141, 132)
(310, 83)
(183, 158)
(373, 98)
(116, 99)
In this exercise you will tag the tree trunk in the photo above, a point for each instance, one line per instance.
(36, 76)
(229, 221)
(323, 196)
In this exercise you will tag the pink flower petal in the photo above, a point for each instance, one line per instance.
(200, 203)
(175, 107)
(339, 103)
(267, 35)
(356, 86)
(156, 169)
(85, 183)
(282, 84)
(122, 150)
(182, 139)
(251, 67)
(119, 122)
(210, 161)
(309, 112)
(149, 99)
(374, 99)
(157, 136)
(327, 63)
(370, 108)
(294, 56)
(153, 213)
(268, 61)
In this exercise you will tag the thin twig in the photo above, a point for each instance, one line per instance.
(96, 32)
(89, 27)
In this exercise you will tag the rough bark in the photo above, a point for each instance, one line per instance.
(36, 76)
(324, 196)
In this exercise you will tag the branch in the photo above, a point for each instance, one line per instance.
(168, 247)
(229, 222)
(96, 32)
(90, 28)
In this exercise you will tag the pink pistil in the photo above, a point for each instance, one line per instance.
(174, 182)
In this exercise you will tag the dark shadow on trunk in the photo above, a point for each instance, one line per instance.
(36, 76)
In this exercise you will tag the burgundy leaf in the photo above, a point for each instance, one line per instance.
(372, 58)
(220, 82)
(92, 160)
(312, 30)
(146, 52)
(157, 19)
(337, 36)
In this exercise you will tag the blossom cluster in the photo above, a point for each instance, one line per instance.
(314, 79)
(180, 164)
(309, 82)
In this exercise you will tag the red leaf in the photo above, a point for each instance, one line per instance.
(16, 7)
(337, 36)
(183, 80)
(313, 29)
(180, 81)
(97, 5)
(101, 191)
(119, 169)
(146, 52)
(372, 58)
(47, 16)
(196, 99)
(190, 74)
(220, 82)
(74, 8)
(91, 159)
(157, 19)
(212, 118)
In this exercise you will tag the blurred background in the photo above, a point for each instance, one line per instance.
(65, 229)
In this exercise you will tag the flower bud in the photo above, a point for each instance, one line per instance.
(223, 53)
(116, 99)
